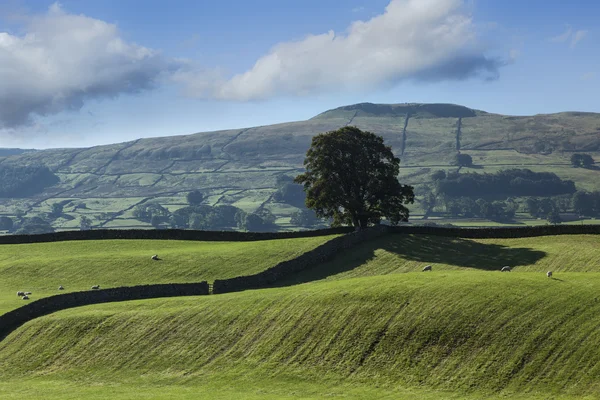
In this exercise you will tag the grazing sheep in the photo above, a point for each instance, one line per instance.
(95, 287)
(427, 268)
(155, 257)
(20, 294)
(25, 297)
(61, 287)
(27, 293)
(549, 274)
(505, 269)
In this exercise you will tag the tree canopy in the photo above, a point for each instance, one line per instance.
(582, 160)
(463, 160)
(351, 176)
(195, 198)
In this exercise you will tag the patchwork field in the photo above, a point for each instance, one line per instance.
(368, 324)
(240, 167)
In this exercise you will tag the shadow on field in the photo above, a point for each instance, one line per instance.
(425, 249)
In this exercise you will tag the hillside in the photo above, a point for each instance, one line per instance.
(461, 331)
(239, 167)
(77, 265)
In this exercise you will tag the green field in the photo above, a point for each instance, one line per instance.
(77, 265)
(366, 325)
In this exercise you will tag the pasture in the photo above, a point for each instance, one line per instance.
(77, 265)
(368, 324)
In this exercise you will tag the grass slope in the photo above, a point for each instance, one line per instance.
(461, 331)
(77, 265)
(469, 332)
(394, 254)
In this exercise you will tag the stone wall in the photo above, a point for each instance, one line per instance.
(499, 232)
(321, 254)
(15, 318)
(167, 234)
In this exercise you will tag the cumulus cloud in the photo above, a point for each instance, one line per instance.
(569, 35)
(61, 60)
(412, 39)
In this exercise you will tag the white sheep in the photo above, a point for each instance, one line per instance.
(25, 297)
(27, 293)
(61, 287)
(427, 268)
(95, 287)
(506, 268)
(155, 257)
(549, 274)
(20, 293)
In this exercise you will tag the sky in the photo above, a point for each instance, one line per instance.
(79, 73)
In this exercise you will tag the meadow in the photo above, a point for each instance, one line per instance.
(77, 265)
(368, 324)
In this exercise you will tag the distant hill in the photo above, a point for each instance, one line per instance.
(240, 167)
(11, 152)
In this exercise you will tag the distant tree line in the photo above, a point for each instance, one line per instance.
(24, 181)
(293, 194)
(511, 182)
(500, 211)
(205, 217)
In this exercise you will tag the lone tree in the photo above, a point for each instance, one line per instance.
(463, 160)
(582, 160)
(195, 198)
(351, 176)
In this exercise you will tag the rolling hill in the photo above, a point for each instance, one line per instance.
(239, 167)
(368, 324)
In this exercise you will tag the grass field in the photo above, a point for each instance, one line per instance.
(367, 325)
(77, 265)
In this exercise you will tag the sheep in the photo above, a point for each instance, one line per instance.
(505, 269)
(61, 287)
(27, 293)
(25, 297)
(427, 268)
(155, 257)
(549, 274)
(95, 287)
(20, 293)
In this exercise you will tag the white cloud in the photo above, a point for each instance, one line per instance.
(569, 35)
(412, 39)
(577, 36)
(62, 60)
(563, 37)
(589, 76)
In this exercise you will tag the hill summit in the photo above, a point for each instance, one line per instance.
(415, 110)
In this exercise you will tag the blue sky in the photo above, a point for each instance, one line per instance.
(86, 72)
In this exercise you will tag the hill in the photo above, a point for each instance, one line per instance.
(77, 265)
(384, 331)
(240, 167)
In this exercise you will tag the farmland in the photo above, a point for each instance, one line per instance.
(240, 167)
(367, 324)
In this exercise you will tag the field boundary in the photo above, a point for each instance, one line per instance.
(498, 232)
(323, 253)
(47, 305)
(318, 255)
(168, 234)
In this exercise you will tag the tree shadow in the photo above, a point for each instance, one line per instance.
(425, 249)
